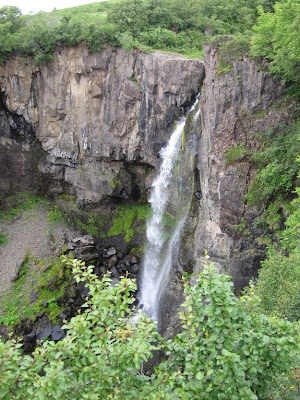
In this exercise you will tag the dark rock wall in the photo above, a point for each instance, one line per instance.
(235, 108)
(96, 113)
(20, 154)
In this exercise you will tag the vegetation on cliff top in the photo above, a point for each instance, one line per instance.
(171, 25)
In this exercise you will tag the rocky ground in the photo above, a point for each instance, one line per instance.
(29, 231)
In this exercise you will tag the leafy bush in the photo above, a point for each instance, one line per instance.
(223, 350)
(277, 173)
(236, 154)
(277, 38)
(278, 284)
(100, 357)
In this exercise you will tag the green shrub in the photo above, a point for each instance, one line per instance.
(277, 39)
(226, 349)
(237, 154)
(275, 180)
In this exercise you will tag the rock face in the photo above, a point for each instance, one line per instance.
(235, 107)
(99, 118)
(93, 125)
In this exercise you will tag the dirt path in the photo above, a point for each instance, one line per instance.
(26, 232)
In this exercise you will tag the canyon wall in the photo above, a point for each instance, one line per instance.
(93, 124)
(100, 118)
(237, 107)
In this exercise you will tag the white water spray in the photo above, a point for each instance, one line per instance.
(158, 256)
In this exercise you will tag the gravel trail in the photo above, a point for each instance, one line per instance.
(26, 232)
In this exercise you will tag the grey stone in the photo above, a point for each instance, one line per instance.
(34, 296)
(115, 273)
(52, 283)
(79, 155)
(57, 333)
(134, 260)
(112, 261)
(111, 251)
(86, 253)
(19, 265)
(44, 332)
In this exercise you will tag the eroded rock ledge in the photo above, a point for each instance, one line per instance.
(100, 118)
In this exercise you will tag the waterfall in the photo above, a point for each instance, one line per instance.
(169, 191)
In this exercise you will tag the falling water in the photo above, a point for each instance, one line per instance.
(158, 256)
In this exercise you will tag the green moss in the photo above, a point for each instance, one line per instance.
(134, 80)
(263, 241)
(125, 217)
(35, 275)
(90, 228)
(55, 215)
(237, 154)
(16, 204)
(114, 183)
(3, 239)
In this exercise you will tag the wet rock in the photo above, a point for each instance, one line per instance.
(19, 265)
(43, 332)
(112, 261)
(115, 273)
(52, 283)
(33, 296)
(135, 268)
(119, 255)
(134, 260)
(115, 281)
(62, 316)
(127, 263)
(83, 289)
(86, 253)
(57, 333)
(111, 251)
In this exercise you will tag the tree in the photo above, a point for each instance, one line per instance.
(277, 38)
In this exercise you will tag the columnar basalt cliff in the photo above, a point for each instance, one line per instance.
(235, 108)
(94, 114)
(93, 124)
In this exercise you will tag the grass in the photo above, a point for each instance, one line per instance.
(16, 204)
